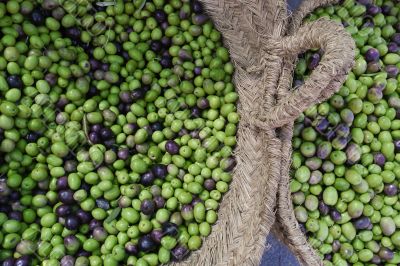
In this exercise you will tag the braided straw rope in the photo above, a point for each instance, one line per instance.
(253, 31)
(337, 66)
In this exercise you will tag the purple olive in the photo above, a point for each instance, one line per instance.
(324, 150)
(131, 248)
(362, 223)
(393, 47)
(386, 10)
(396, 38)
(147, 179)
(157, 126)
(63, 210)
(179, 253)
(67, 260)
(185, 55)
(166, 61)
(156, 235)
(72, 222)
(15, 215)
(200, 19)
(228, 164)
(336, 245)
(331, 134)
(196, 7)
(71, 242)
(390, 189)
(66, 196)
(203, 103)
(183, 14)
(123, 154)
(137, 94)
(73, 33)
(323, 208)
(83, 253)
(102, 203)
(209, 184)
(62, 183)
(314, 61)
(170, 229)
(148, 207)
(196, 200)
(70, 166)
(172, 147)
(373, 10)
(197, 71)
(52, 80)
(156, 46)
(9, 262)
(322, 125)
(106, 133)
(94, 137)
(100, 234)
(187, 212)
(159, 201)
(32, 137)
(372, 55)
(23, 261)
(379, 159)
(94, 224)
(335, 215)
(147, 244)
(373, 67)
(313, 163)
(353, 153)
(125, 97)
(386, 254)
(84, 217)
(14, 81)
(159, 170)
(160, 15)
(340, 142)
(109, 143)
(392, 71)
(166, 41)
(376, 260)
(375, 95)
(394, 102)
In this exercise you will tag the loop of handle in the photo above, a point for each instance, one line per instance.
(326, 78)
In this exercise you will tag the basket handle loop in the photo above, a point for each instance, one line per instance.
(325, 79)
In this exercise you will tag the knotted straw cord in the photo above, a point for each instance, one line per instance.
(247, 211)
(326, 78)
(294, 237)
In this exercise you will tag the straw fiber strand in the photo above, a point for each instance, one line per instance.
(253, 31)
(343, 59)
(306, 8)
(248, 210)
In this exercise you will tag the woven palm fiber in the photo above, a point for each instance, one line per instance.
(341, 58)
(254, 31)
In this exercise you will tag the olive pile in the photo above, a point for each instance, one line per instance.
(346, 159)
(117, 126)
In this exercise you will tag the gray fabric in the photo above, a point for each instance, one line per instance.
(278, 254)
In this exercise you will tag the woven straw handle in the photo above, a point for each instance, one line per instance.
(325, 79)
(323, 82)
